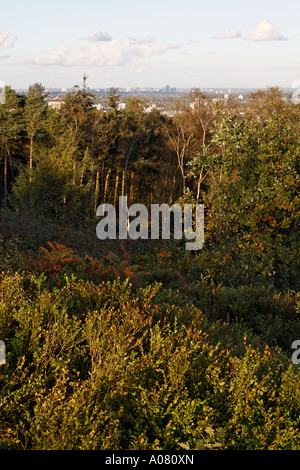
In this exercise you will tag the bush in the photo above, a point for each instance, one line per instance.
(108, 367)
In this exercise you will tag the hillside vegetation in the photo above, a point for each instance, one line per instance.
(141, 344)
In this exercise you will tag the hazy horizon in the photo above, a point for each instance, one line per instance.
(148, 45)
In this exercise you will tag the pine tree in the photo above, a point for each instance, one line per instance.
(10, 131)
(35, 110)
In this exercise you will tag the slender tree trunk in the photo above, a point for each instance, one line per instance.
(123, 183)
(116, 188)
(106, 185)
(134, 141)
(102, 178)
(199, 183)
(183, 179)
(201, 178)
(74, 172)
(82, 176)
(97, 186)
(131, 188)
(10, 163)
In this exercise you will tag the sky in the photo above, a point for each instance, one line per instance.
(143, 43)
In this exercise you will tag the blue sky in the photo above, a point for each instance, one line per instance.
(129, 43)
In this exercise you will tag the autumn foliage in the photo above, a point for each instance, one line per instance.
(140, 344)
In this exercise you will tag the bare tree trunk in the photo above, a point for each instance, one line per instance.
(201, 178)
(74, 170)
(183, 181)
(106, 185)
(199, 184)
(123, 183)
(97, 186)
(116, 189)
(131, 188)
(134, 141)
(180, 143)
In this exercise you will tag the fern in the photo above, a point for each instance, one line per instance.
(50, 262)
(60, 254)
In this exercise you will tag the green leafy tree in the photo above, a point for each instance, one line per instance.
(35, 110)
(140, 134)
(254, 196)
(262, 103)
(205, 114)
(10, 134)
(181, 134)
(113, 100)
(73, 113)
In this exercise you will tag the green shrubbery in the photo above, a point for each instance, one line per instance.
(111, 365)
(144, 345)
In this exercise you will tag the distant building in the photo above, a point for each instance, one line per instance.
(98, 106)
(55, 104)
(169, 89)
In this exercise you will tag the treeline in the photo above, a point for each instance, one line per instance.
(67, 162)
(143, 344)
(82, 153)
(241, 162)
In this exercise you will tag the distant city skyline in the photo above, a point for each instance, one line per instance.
(205, 44)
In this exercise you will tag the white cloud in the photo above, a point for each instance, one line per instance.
(98, 36)
(264, 31)
(7, 40)
(228, 34)
(107, 53)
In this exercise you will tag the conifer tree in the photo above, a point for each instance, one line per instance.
(10, 130)
(35, 110)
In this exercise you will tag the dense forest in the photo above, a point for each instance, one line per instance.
(141, 344)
